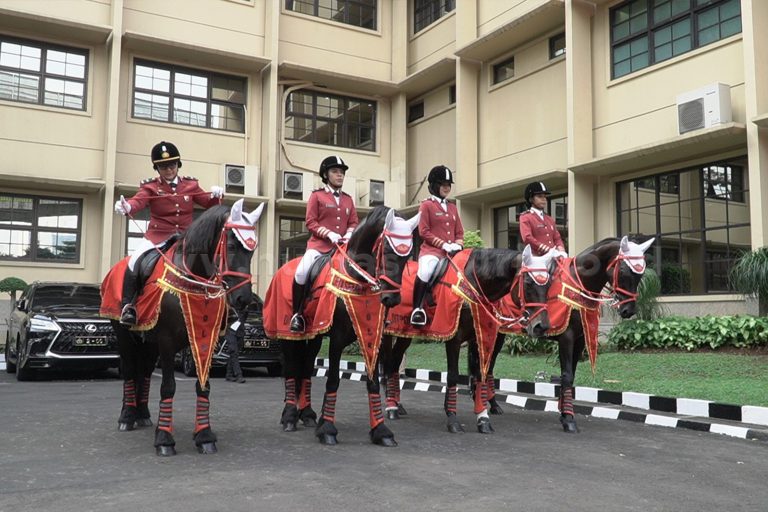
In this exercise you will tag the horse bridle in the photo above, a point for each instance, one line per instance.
(613, 286)
(378, 250)
(522, 303)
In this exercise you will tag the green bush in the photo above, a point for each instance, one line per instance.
(674, 332)
(647, 306)
(675, 279)
(472, 239)
(519, 344)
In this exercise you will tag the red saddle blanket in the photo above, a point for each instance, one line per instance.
(148, 303)
(319, 306)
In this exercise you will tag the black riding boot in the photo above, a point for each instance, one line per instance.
(297, 320)
(418, 315)
(128, 314)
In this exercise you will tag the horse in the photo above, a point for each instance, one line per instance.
(205, 270)
(368, 270)
(574, 303)
(497, 278)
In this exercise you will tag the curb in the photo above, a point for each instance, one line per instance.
(743, 422)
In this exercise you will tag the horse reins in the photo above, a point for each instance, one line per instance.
(600, 297)
(378, 250)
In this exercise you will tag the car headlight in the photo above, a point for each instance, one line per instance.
(42, 324)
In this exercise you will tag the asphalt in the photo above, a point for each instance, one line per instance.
(61, 451)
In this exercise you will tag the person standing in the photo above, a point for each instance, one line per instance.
(442, 234)
(331, 217)
(538, 229)
(171, 199)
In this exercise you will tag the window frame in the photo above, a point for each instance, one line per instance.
(287, 5)
(497, 66)
(172, 95)
(653, 27)
(436, 9)
(282, 244)
(553, 53)
(44, 47)
(35, 229)
(415, 111)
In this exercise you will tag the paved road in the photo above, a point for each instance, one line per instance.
(60, 451)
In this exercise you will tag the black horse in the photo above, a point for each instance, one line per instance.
(213, 257)
(618, 263)
(494, 273)
(376, 254)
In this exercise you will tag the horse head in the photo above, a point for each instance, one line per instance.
(535, 272)
(238, 243)
(381, 246)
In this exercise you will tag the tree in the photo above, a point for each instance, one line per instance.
(750, 276)
(11, 285)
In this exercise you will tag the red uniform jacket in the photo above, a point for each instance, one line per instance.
(541, 234)
(172, 213)
(437, 227)
(324, 216)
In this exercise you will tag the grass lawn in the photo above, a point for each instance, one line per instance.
(733, 378)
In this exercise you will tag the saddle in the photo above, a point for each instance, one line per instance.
(437, 275)
(147, 261)
(315, 269)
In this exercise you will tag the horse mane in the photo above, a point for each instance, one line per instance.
(368, 230)
(203, 234)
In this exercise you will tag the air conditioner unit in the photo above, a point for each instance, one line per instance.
(376, 193)
(241, 179)
(704, 108)
(297, 185)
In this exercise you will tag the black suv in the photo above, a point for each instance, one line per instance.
(57, 326)
(257, 350)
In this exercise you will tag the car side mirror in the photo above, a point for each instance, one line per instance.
(21, 305)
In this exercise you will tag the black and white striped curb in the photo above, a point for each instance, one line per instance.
(2, 361)
(745, 422)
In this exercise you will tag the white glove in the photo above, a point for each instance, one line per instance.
(345, 238)
(122, 206)
(560, 254)
(217, 191)
(454, 247)
(334, 237)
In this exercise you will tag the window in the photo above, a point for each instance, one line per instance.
(700, 217)
(360, 13)
(331, 120)
(36, 228)
(506, 221)
(504, 70)
(138, 224)
(426, 12)
(644, 32)
(557, 46)
(43, 74)
(293, 239)
(415, 111)
(177, 95)
(452, 95)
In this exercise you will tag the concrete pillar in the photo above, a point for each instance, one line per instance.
(398, 162)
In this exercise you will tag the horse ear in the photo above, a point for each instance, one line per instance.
(253, 217)
(390, 219)
(236, 213)
(527, 255)
(413, 222)
(624, 246)
(645, 245)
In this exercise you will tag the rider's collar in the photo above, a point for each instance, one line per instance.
(441, 200)
(538, 212)
(332, 190)
(172, 183)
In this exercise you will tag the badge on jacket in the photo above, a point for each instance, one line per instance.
(186, 198)
(346, 211)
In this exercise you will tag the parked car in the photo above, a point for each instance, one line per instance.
(257, 350)
(56, 326)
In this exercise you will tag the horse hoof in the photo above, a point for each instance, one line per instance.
(401, 410)
(484, 426)
(455, 428)
(207, 448)
(569, 425)
(327, 439)
(165, 450)
(386, 441)
(125, 426)
(289, 426)
(144, 422)
(393, 414)
(308, 422)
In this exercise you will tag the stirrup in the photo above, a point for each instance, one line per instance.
(297, 323)
(128, 315)
(419, 317)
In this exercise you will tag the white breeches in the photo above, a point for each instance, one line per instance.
(306, 261)
(427, 266)
(144, 246)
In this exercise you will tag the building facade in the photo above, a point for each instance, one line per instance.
(643, 116)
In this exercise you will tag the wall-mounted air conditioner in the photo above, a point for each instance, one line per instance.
(241, 179)
(293, 185)
(704, 108)
(376, 193)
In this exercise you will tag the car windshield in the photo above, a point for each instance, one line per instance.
(66, 296)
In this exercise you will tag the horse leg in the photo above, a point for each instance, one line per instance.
(495, 408)
(380, 433)
(290, 414)
(165, 444)
(326, 431)
(391, 367)
(204, 437)
(127, 349)
(148, 360)
(479, 390)
(452, 349)
(307, 415)
(568, 355)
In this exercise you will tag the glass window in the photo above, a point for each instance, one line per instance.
(360, 13)
(667, 28)
(426, 12)
(700, 217)
(191, 97)
(415, 111)
(452, 95)
(293, 239)
(41, 73)
(331, 120)
(506, 222)
(40, 228)
(557, 46)
(504, 70)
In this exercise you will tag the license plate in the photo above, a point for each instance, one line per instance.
(256, 343)
(91, 342)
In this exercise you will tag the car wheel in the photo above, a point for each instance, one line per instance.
(275, 370)
(188, 363)
(9, 366)
(22, 374)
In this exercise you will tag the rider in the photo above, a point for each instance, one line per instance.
(538, 229)
(331, 218)
(168, 216)
(442, 234)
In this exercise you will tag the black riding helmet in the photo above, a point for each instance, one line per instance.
(437, 176)
(329, 163)
(164, 152)
(534, 188)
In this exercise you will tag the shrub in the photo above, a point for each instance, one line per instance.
(675, 279)
(472, 239)
(519, 344)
